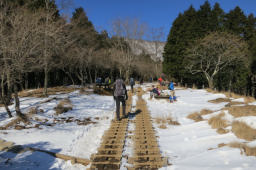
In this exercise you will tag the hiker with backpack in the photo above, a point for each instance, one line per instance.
(171, 88)
(120, 95)
(132, 83)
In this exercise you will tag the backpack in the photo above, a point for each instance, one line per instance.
(171, 86)
(119, 89)
(132, 81)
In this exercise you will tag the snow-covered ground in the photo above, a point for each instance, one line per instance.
(65, 138)
(188, 146)
(194, 145)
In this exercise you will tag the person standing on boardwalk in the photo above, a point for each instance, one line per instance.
(120, 95)
(132, 83)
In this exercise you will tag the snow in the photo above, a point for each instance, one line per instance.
(65, 138)
(249, 120)
(188, 146)
(188, 101)
(238, 100)
(194, 145)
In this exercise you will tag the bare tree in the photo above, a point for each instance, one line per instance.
(156, 35)
(52, 29)
(214, 52)
(130, 30)
(19, 45)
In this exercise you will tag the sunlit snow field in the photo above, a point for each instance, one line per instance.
(189, 146)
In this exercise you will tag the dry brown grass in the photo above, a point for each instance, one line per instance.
(170, 121)
(51, 91)
(102, 91)
(222, 131)
(158, 120)
(239, 111)
(206, 112)
(32, 111)
(162, 121)
(249, 151)
(217, 122)
(243, 131)
(195, 116)
(220, 100)
(85, 90)
(162, 126)
(64, 106)
(165, 120)
(247, 99)
(48, 100)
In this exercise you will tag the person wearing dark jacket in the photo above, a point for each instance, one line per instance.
(132, 83)
(120, 95)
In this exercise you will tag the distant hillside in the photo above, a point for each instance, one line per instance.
(148, 47)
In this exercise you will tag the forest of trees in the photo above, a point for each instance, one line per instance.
(39, 47)
(208, 47)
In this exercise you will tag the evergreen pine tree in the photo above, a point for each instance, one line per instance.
(217, 18)
(235, 21)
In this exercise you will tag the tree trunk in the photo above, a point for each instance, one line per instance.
(111, 75)
(9, 88)
(120, 72)
(90, 75)
(26, 80)
(45, 81)
(2, 84)
(95, 75)
(210, 80)
(71, 78)
(210, 83)
(17, 101)
(229, 87)
(230, 83)
(6, 106)
(127, 74)
(21, 81)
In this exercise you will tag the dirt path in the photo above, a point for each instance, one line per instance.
(146, 153)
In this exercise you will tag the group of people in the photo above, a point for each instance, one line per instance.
(100, 81)
(120, 94)
(155, 91)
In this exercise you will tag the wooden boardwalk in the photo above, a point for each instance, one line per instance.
(146, 150)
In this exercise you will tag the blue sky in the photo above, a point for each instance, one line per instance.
(155, 13)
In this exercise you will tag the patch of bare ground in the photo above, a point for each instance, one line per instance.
(102, 91)
(48, 100)
(247, 99)
(249, 151)
(243, 131)
(51, 91)
(85, 90)
(206, 112)
(197, 116)
(64, 106)
(218, 123)
(33, 111)
(222, 131)
(170, 121)
(162, 121)
(15, 123)
(220, 100)
(240, 111)
(86, 121)
(162, 126)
